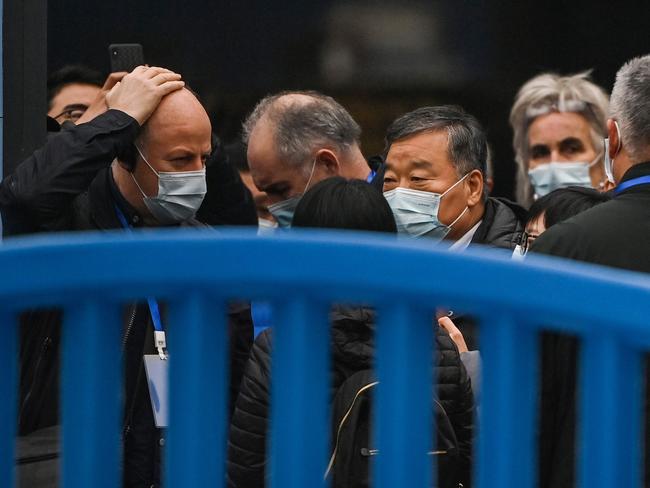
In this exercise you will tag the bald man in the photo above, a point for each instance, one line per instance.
(117, 170)
(295, 140)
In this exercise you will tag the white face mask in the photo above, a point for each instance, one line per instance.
(609, 162)
(548, 177)
(518, 254)
(180, 194)
(266, 226)
(416, 212)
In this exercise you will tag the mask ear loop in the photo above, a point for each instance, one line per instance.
(150, 167)
(466, 208)
(311, 175)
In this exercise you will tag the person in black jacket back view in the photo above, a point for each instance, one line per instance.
(343, 204)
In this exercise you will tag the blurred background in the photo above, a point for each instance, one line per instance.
(378, 58)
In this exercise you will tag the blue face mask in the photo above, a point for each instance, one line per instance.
(283, 211)
(551, 176)
(416, 212)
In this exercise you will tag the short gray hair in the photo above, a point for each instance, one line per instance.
(300, 128)
(548, 93)
(630, 106)
(467, 143)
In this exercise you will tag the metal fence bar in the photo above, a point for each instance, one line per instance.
(506, 448)
(610, 413)
(300, 394)
(8, 385)
(91, 395)
(404, 413)
(198, 346)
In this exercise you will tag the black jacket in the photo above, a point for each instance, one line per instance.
(68, 185)
(352, 350)
(502, 226)
(617, 234)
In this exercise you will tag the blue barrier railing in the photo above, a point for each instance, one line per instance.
(301, 274)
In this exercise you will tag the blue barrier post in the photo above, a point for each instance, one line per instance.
(300, 393)
(404, 339)
(91, 400)
(610, 424)
(198, 415)
(8, 386)
(506, 449)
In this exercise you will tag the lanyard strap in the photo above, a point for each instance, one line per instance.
(641, 180)
(159, 331)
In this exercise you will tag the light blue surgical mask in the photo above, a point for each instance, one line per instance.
(179, 196)
(416, 212)
(283, 211)
(548, 177)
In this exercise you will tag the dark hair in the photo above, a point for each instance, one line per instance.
(69, 74)
(235, 155)
(467, 140)
(337, 203)
(564, 203)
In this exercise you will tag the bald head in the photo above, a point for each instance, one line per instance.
(180, 110)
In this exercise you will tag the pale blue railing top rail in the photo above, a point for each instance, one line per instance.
(196, 273)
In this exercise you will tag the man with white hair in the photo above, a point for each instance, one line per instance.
(615, 233)
(559, 125)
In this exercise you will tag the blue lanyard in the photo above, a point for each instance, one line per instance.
(371, 176)
(641, 180)
(153, 304)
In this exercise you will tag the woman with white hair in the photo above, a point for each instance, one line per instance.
(559, 125)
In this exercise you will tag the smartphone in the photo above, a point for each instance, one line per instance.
(125, 57)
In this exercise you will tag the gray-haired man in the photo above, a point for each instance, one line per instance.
(615, 233)
(296, 139)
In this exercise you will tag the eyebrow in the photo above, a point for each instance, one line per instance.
(417, 164)
(75, 106)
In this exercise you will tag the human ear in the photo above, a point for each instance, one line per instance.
(328, 161)
(475, 184)
(614, 138)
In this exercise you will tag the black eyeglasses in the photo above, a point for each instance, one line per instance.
(71, 113)
(526, 241)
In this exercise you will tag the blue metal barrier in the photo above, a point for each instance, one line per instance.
(301, 274)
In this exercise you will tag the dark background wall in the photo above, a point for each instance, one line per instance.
(378, 58)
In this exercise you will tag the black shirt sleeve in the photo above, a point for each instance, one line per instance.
(37, 197)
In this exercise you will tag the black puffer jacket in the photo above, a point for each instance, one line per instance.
(502, 225)
(352, 350)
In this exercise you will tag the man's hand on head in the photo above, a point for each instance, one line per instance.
(139, 93)
(99, 106)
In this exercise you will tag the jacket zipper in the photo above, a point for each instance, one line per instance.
(365, 451)
(343, 420)
(129, 327)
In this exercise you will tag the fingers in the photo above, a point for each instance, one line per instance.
(455, 334)
(165, 76)
(113, 79)
(170, 86)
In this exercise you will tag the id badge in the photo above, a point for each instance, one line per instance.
(157, 379)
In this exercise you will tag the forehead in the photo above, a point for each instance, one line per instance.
(555, 127)
(76, 93)
(425, 147)
(193, 134)
(265, 165)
